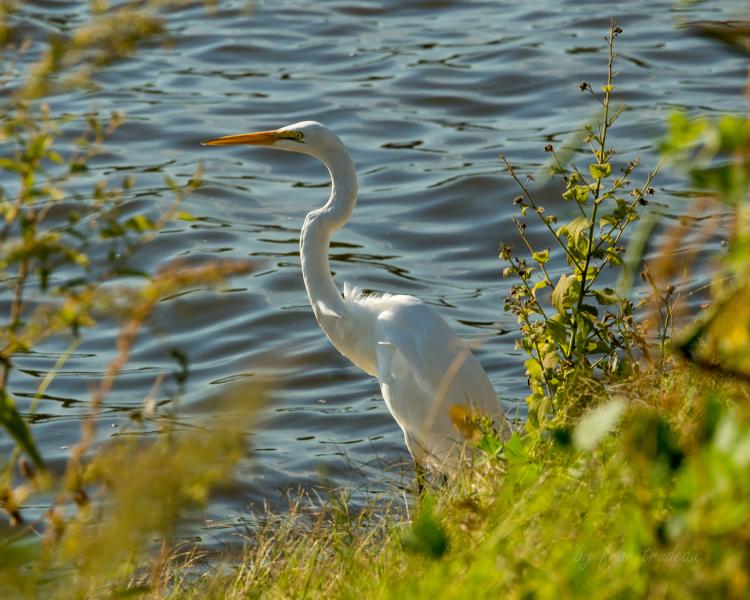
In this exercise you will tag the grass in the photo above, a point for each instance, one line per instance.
(657, 505)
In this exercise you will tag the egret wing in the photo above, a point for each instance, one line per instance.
(423, 369)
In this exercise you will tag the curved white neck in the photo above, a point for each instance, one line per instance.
(315, 237)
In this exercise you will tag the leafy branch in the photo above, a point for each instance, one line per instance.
(574, 327)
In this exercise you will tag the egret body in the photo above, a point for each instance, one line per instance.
(422, 367)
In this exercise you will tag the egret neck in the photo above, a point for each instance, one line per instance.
(315, 238)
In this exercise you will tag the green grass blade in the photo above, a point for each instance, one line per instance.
(15, 425)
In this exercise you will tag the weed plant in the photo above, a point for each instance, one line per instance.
(578, 334)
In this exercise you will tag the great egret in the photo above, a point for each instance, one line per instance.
(424, 370)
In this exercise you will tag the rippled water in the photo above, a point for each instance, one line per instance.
(425, 94)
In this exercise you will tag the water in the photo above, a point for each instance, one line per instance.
(425, 94)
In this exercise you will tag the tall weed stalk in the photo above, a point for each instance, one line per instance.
(575, 330)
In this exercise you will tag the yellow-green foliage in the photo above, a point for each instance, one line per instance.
(112, 502)
(148, 486)
(571, 325)
(129, 500)
(659, 507)
(714, 153)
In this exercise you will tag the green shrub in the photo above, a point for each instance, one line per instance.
(577, 333)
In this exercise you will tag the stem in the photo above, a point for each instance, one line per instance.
(538, 356)
(534, 206)
(51, 374)
(16, 309)
(536, 302)
(17, 306)
(596, 201)
(618, 225)
(531, 249)
(529, 293)
(7, 366)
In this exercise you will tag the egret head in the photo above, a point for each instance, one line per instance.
(307, 137)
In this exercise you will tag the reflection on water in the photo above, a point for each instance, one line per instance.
(425, 94)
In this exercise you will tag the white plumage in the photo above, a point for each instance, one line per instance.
(422, 367)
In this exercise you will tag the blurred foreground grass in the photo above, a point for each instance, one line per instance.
(122, 519)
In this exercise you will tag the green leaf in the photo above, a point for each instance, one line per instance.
(581, 193)
(550, 357)
(514, 447)
(541, 257)
(533, 400)
(538, 286)
(561, 290)
(38, 146)
(683, 135)
(605, 296)
(733, 133)
(614, 258)
(55, 157)
(140, 223)
(427, 536)
(12, 165)
(575, 229)
(543, 409)
(490, 444)
(533, 369)
(589, 312)
(600, 170)
(15, 425)
(557, 331)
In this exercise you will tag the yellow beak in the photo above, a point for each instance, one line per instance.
(260, 138)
